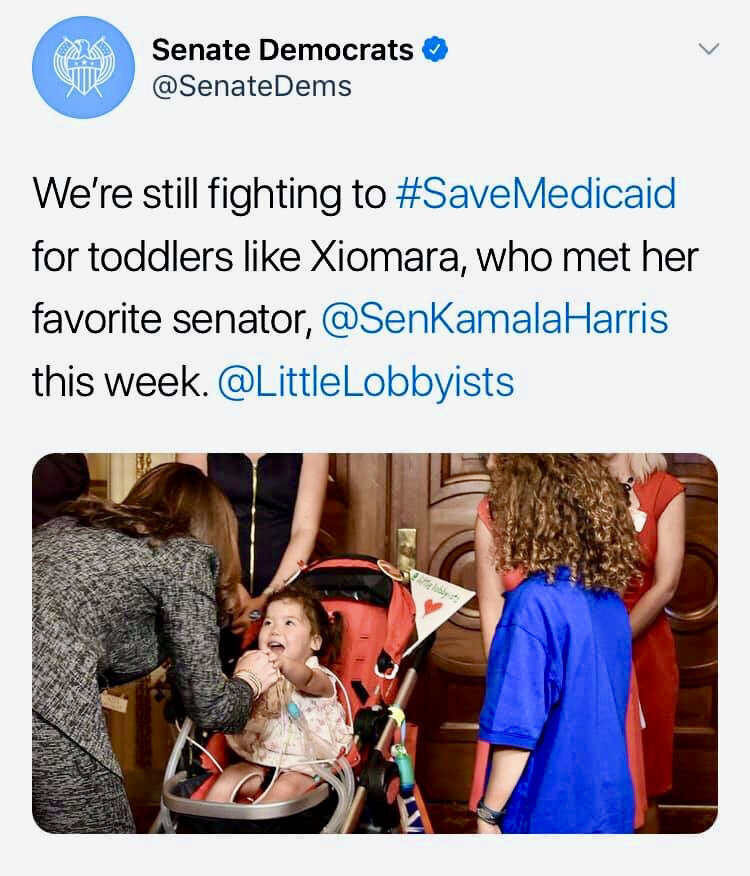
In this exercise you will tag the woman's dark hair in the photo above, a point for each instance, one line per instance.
(330, 629)
(169, 501)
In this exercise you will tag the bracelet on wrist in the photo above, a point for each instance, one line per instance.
(251, 679)
(490, 816)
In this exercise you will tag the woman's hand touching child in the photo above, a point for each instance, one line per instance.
(303, 677)
(255, 668)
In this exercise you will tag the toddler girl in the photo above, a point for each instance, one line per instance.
(299, 719)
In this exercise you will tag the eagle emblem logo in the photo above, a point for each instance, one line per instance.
(83, 66)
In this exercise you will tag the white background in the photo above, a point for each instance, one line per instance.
(621, 91)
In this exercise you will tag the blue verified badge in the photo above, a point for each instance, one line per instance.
(83, 67)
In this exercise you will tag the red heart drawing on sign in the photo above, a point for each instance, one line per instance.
(431, 606)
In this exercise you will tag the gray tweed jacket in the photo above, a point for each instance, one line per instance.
(108, 608)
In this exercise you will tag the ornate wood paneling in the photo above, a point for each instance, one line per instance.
(450, 695)
(693, 614)
(454, 678)
(454, 474)
(457, 483)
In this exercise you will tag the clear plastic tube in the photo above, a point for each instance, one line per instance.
(286, 728)
(342, 807)
(342, 784)
(201, 748)
(164, 813)
(348, 774)
(349, 790)
(316, 747)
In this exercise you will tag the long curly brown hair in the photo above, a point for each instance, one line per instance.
(562, 509)
(170, 501)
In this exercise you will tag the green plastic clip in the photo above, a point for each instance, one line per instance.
(405, 767)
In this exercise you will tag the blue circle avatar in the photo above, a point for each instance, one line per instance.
(83, 67)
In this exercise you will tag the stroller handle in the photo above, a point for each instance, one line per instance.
(382, 746)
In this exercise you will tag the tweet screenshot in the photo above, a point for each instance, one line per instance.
(372, 368)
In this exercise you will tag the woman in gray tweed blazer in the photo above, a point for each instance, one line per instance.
(116, 590)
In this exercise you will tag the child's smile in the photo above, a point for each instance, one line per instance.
(286, 630)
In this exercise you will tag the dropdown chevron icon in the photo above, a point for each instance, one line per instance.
(709, 51)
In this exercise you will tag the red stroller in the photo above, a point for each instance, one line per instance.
(371, 788)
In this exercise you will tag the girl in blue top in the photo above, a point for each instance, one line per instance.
(559, 665)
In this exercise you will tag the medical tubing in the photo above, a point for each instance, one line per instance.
(282, 752)
(276, 774)
(316, 746)
(344, 787)
(177, 749)
(302, 721)
(348, 772)
(350, 783)
(345, 801)
(350, 788)
(166, 818)
(201, 748)
(336, 820)
(340, 683)
(242, 782)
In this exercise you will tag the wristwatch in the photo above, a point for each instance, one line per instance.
(490, 816)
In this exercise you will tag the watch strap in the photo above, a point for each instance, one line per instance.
(490, 816)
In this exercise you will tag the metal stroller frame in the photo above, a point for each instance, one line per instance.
(376, 776)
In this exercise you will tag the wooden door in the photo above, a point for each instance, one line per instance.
(693, 614)
(437, 495)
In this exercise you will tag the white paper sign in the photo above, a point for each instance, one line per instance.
(435, 600)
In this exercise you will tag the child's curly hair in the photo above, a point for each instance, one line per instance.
(562, 509)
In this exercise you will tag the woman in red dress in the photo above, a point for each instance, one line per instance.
(657, 505)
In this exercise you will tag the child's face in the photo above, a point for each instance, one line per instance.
(286, 631)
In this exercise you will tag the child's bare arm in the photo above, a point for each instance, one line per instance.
(507, 766)
(313, 682)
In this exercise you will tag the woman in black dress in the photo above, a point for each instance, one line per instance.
(278, 500)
